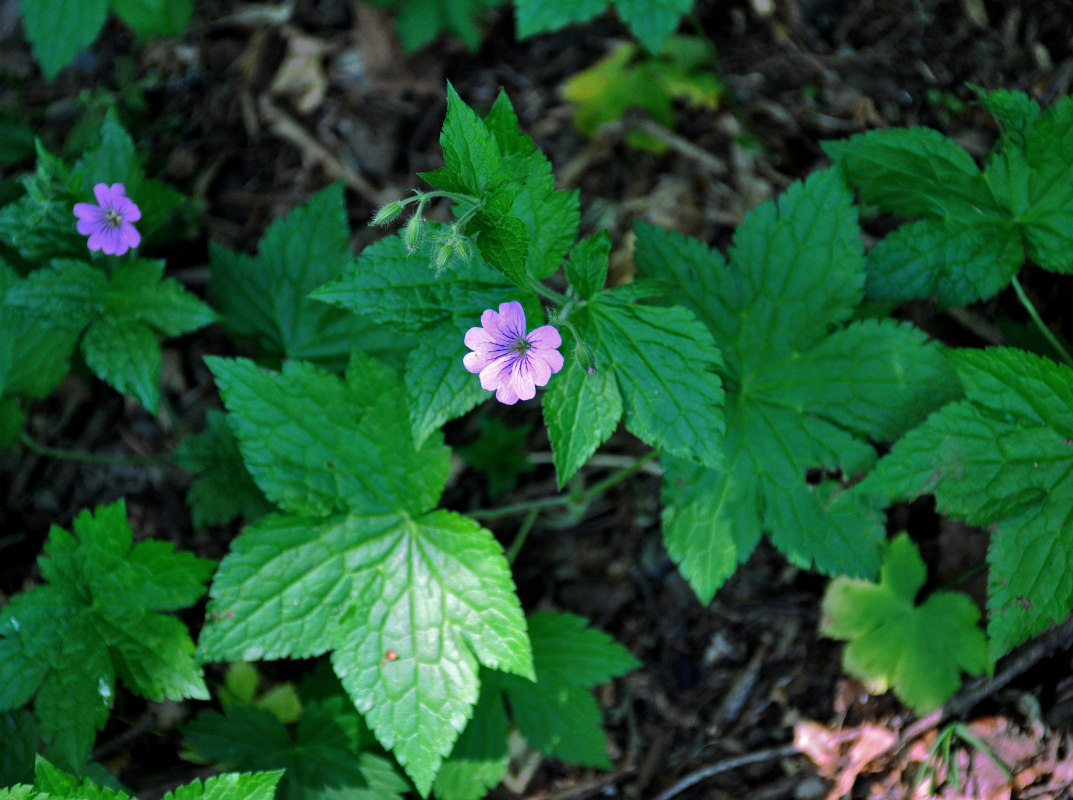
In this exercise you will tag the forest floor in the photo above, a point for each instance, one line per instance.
(258, 106)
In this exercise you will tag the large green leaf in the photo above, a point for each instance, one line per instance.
(360, 566)
(803, 394)
(98, 615)
(1002, 458)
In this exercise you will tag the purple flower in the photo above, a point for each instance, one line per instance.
(510, 361)
(108, 224)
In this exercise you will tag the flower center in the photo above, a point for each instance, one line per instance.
(521, 345)
(113, 218)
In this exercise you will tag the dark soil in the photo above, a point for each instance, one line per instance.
(720, 681)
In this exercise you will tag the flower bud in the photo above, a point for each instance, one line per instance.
(443, 257)
(414, 232)
(463, 249)
(585, 357)
(386, 213)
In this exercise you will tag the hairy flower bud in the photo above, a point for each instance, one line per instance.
(386, 213)
(585, 357)
(415, 230)
(443, 257)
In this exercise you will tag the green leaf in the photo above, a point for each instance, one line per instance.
(321, 756)
(919, 650)
(536, 16)
(115, 160)
(587, 268)
(51, 782)
(1002, 458)
(97, 615)
(499, 453)
(480, 757)
(126, 356)
(118, 345)
(652, 21)
(59, 30)
(803, 394)
(223, 488)
(469, 148)
(155, 17)
(18, 732)
(627, 78)
(664, 361)
(977, 228)
(138, 291)
(265, 298)
(308, 441)
(912, 172)
(67, 294)
(419, 22)
(33, 355)
(551, 217)
(361, 566)
(398, 289)
(581, 411)
(557, 714)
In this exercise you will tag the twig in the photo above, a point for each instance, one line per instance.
(759, 757)
(286, 127)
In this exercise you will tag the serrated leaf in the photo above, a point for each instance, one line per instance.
(320, 757)
(117, 345)
(59, 30)
(919, 650)
(480, 758)
(652, 21)
(266, 298)
(557, 714)
(67, 294)
(581, 411)
(469, 148)
(368, 568)
(499, 453)
(587, 267)
(664, 361)
(33, 355)
(155, 17)
(800, 397)
(223, 488)
(245, 786)
(307, 440)
(18, 732)
(977, 228)
(1002, 458)
(551, 217)
(99, 609)
(139, 291)
(398, 289)
(536, 16)
(126, 356)
(437, 388)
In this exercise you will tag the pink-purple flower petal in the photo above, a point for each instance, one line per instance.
(108, 224)
(509, 361)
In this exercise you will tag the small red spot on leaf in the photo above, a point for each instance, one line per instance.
(391, 655)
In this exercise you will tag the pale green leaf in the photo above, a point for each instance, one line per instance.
(919, 650)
